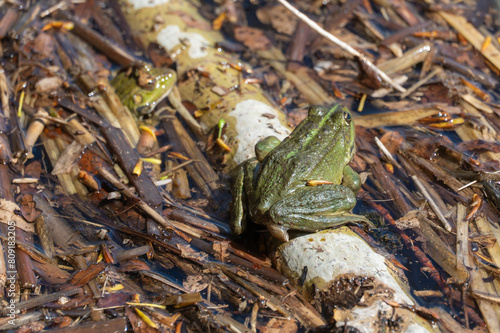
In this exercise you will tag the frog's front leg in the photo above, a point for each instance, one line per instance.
(313, 208)
(242, 189)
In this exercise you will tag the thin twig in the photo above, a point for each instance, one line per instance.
(467, 185)
(387, 153)
(433, 205)
(182, 165)
(420, 83)
(175, 100)
(140, 203)
(341, 44)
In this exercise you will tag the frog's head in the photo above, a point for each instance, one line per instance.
(335, 127)
(154, 85)
(342, 118)
(142, 88)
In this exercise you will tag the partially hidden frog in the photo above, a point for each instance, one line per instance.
(274, 189)
(141, 88)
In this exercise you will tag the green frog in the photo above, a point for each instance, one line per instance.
(279, 188)
(141, 88)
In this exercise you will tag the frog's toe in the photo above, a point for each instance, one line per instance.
(278, 231)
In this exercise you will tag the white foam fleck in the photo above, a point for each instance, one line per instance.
(171, 36)
(138, 4)
(414, 328)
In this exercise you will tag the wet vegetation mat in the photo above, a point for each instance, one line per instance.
(122, 125)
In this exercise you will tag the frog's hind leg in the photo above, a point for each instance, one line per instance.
(312, 208)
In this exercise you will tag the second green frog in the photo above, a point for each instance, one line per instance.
(141, 88)
(279, 188)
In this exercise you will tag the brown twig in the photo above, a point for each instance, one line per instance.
(140, 203)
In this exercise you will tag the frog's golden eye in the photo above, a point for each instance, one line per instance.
(347, 117)
(146, 81)
(150, 84)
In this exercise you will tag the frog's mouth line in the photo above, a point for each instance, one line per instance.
(149, 108)
(159, 100)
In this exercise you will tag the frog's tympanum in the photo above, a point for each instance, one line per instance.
(142, 88)
(275, 189)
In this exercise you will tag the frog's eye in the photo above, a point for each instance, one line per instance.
(150, 84)
(347, 117)
(146, 81)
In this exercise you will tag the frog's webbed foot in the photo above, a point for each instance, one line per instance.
(313, 208)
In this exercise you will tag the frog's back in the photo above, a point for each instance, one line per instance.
(318, 148)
